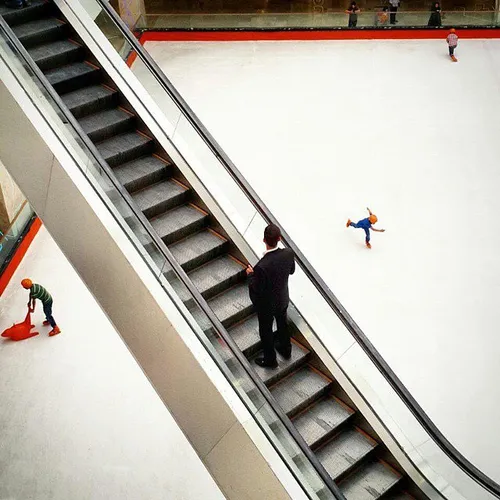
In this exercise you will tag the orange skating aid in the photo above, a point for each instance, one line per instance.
(20, 331)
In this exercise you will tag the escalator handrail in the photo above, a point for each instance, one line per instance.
(181, 274)
(403, 393)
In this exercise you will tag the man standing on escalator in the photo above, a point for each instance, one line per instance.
(268, 285)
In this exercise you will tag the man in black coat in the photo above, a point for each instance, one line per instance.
(268, 284)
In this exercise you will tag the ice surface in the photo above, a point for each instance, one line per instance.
(324, 129)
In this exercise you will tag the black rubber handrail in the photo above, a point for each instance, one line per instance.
(181, 274)
(370, 350)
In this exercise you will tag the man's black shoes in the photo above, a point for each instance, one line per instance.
(260, 361)
(284, 354)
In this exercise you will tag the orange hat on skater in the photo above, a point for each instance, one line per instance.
(26, 283)
(373, 219)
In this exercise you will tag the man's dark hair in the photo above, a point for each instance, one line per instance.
(272, 235)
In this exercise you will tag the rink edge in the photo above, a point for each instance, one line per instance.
(302, 35)
(19, 254)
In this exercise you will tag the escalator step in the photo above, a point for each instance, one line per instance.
(318, 422)
(91, 99)
(108, 123)
(17, 16)
(400, 496)
(233, 305)
(142, 172)
(218, 275)
(179, 223)
(300, 389)
(40, 31)
(271, 375)
(158, 198)
(50, 55)
(246, 335)
(370, 482)
(199, 248)
(125, 147)
(73, 76)
(345, 451)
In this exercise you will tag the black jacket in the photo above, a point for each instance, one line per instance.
(268, 283)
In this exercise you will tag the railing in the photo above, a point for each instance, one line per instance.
(9, 237)
(322, 20)
(428, 448)
(283, 436)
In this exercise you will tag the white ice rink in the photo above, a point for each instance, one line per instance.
(322, 130)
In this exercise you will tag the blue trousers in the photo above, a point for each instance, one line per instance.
(367, 231)
(47, 310)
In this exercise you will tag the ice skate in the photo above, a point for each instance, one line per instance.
(348, 223)
(368, 245)
(46, 323)
(454, 59)
(54, 331)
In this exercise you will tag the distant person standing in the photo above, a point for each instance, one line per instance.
(39, 292)
(381, 19)
(394, 4)
(435, 17)
(452, 40)
(268, 287)
(353, 12)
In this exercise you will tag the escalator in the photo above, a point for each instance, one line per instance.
(345, 444)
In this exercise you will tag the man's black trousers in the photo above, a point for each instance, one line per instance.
(267, 337)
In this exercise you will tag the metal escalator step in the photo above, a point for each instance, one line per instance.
(158, 198)
(17, 16)
(198, 248)
(211, 279)
(50, 55)
(246, 335)
(108, 123)
(321, 420)
(233, 305)
(217, 275)
(369, 482)
(285, 366)
(400, 496)
(40, 31)
(142, 172)
(125, 147)
(73, 76)
(345, 451)
(300, 389)
(179, 223)
(88, 100)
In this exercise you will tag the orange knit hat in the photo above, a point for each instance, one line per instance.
(26, 283)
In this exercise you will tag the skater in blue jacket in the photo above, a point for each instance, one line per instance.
(366, 224)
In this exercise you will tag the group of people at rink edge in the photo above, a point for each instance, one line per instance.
(388, 15)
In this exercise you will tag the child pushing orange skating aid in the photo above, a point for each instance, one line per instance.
(366, 224)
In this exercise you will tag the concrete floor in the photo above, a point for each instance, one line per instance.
(78, 418)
